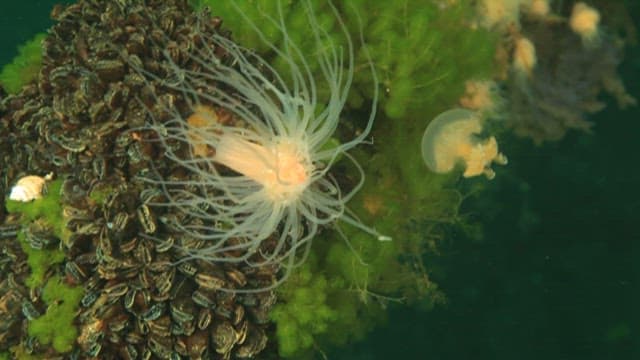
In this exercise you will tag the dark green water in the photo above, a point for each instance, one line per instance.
(556, 276)
(20, 21)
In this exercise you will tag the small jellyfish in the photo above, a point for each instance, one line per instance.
(584, 21)
(524, 57)
(453, 137)
(539, 8)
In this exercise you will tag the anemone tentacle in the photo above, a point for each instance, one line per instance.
(266, 176)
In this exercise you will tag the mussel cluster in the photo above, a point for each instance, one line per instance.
(83, 120)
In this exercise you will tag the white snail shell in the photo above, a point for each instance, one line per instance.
(29, 188)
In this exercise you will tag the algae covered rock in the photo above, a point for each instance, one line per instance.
(111, 68)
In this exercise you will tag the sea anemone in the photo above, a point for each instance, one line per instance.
(260, 146)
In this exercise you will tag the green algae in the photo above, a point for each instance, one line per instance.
(423, 51)
(47, 209)
(39, 261)
(55, 327)
(306, 312)
(25, 66)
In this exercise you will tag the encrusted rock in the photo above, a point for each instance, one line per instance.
(81, 121)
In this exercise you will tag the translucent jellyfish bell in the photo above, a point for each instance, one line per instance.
(452, 138)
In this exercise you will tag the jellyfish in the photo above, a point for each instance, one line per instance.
(584, 21)
(454, 137)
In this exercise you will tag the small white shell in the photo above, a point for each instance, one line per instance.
(28, 188)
